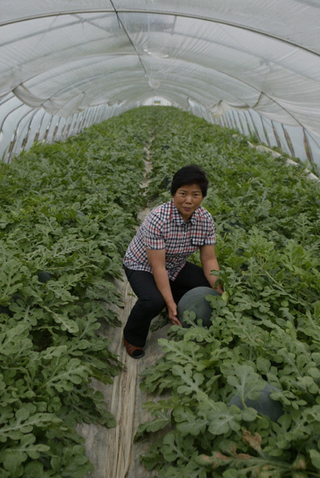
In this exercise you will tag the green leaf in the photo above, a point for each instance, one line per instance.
(176, 448)
(64, 373)
(62, 319)
(223, 419)
(188, 422)
(13, 457)
(249, 414)
(244, 379)
(190, 381)
(160, 421)
(315, 458)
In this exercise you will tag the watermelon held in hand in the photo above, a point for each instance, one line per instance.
(195, 301)
(263, 405)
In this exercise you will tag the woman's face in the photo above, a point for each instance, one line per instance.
(187, 199)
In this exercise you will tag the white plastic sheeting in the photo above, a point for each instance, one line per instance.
(67, 64)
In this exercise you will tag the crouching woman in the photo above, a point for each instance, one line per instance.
(156, 260)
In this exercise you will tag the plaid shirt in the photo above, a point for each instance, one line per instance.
(164, 228)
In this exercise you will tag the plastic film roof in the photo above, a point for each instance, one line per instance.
(64, 57)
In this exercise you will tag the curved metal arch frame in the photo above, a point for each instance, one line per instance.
(175, 14)
(155, 12)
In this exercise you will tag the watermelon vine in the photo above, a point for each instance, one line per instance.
(265, 328)
(68, 212)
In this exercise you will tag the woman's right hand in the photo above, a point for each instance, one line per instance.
(157, 259)
(173, 314)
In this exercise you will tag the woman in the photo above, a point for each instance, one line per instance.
(156, 259)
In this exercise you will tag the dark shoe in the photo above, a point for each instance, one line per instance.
(133, 351)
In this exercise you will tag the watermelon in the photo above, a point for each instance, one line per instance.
(16, 298)
(264, 404)
(195, 301)
(5, 310)
(44, 276)
(79, 214)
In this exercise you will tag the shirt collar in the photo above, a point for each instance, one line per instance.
(177, 218)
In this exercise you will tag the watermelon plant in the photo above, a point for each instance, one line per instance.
(264, 329)
(68, 211)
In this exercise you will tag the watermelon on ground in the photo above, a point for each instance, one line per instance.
(263, 405)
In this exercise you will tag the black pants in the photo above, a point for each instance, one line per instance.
(150, 301)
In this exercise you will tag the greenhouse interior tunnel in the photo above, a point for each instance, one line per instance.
(252, 66)
(101, 102)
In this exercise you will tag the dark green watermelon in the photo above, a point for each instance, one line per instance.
(264, 404)
(195, 301)
(16, 298)
(5, 310)
(79, 215)
(44, 276)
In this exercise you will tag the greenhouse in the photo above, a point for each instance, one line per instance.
(101, 103)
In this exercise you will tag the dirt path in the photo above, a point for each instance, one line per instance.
(112, 450)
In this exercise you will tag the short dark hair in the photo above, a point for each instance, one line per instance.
(191, 174)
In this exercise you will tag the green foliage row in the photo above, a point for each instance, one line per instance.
(266, 326)
(68, 211)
